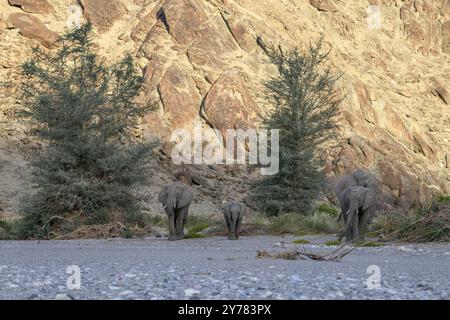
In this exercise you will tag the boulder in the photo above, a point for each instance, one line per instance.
(33, 6)
(179, 97)
(183, 19)
(208, 41)
(31, 27)
(103, 13)
(241, 34)
(415, 33)
(323, 5)
(229, 105)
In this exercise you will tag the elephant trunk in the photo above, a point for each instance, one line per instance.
(171, 205)
(233, 223)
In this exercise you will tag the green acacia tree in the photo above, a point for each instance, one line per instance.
(85, 113)
(304, 109)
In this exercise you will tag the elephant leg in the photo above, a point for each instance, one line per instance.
(172, 231)
(355, 226)
(179, 224)
(185, 218)
(238, 227)
(348, 233)
(227, 221)
(363, 218)
(342, 234)
(232, 231)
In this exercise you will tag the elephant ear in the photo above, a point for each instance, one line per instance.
(370, 199)
(185, 199)
(163, 195)
(226, 209)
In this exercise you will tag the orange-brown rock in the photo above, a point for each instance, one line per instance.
(439, 90)
(103, 13)
(415, 33)
(446, 36)
(229, 105)
(184, 19)
(32, 27)
(33, 6)
(179, 97)
(241, 33)
(323, 5)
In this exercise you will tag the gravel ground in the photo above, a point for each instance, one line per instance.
(216, 268)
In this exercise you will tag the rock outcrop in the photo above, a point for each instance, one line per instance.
(32, 27)
(103, 13)
(201, 62)
(33, 6)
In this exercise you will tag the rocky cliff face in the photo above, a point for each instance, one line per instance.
(201, 62)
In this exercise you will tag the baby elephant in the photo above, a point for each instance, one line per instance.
(233, 213)
(176, 199)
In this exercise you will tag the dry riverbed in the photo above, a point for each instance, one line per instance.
(216, 268)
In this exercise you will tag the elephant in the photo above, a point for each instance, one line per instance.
(233, 213)
(176, 199)
(361, 202)
(357, 178)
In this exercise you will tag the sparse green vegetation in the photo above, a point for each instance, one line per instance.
(300, 233)
(100, 216)
(194, 235)
(301, 225)
(300, 241)
(320, 223)
(286, 223)
(127, 233)
(197, 223)
(332, 243)
(443, 199)
(324, 208)
(8, 230)
(431, 223)
(139, 218)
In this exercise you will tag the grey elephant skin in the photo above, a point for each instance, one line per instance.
(362, 205)
(233, 213)
(176, 199)
(357, 191)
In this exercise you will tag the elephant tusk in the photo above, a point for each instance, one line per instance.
(346, 214)
(164, 207)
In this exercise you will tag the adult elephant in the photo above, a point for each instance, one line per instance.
(176, 199)
(362, 203)
(359, 178)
